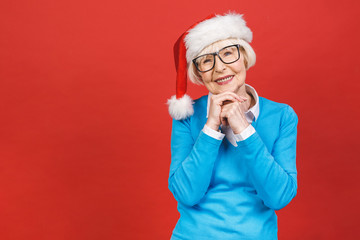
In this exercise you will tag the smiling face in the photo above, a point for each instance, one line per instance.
(224, 77)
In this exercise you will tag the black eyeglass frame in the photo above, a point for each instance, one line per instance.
(217, 54)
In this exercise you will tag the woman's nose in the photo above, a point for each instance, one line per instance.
(219, 65)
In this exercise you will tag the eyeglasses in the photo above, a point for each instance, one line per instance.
(227, 55)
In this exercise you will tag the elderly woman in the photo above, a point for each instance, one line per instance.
(232, 152)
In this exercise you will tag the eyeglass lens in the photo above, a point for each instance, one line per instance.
(227, 55)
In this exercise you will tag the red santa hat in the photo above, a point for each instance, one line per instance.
(200, 35)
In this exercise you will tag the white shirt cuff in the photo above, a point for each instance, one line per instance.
(212, 133)
(250, 130)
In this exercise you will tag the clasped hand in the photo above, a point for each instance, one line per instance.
(228, 109)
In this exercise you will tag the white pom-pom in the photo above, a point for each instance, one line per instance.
(180, 108)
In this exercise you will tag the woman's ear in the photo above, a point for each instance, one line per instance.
(198, 76)
(246, 62)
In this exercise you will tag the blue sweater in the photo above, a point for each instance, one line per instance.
(226, 192)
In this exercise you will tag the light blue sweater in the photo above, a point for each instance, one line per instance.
(226, 192)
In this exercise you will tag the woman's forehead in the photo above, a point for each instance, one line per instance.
(216, 46)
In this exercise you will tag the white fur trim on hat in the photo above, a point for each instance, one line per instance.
(215, 29)
(180, 108)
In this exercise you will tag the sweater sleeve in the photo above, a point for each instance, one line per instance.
(192, 163)
(274, 174)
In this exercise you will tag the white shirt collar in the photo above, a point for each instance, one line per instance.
(252, 112)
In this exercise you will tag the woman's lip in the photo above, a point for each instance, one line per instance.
(225, 82)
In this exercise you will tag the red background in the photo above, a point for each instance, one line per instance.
(85, 133)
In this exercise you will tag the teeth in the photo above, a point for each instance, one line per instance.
(225, 79)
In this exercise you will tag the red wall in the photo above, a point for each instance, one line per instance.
(85, 133)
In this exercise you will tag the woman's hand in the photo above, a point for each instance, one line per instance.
(233, 114)
(217, 103)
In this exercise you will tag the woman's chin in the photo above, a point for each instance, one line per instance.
(226, 89)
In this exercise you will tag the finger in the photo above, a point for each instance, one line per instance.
(233, 94)
(220, 100)
(225, 113)
(222, 115)
(229, 111)
(226, 108)
(243, 99)
(224, 121)
(232, 105)
(239, 98)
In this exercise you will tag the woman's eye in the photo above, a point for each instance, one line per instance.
(207, 60)
(227, 53)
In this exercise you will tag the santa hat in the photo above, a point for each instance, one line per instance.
(200, 35)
